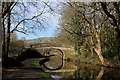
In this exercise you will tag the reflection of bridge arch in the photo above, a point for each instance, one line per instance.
(56, 61)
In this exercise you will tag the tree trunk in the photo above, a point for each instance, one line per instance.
(98, 49)
(3, 34)
(119, 47)
(8, 34)
(0, 37)
(92, 54)
(96, 33)
(99, 53)
(118, 42)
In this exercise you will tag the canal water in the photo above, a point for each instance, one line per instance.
(83, 71)
(69, 71)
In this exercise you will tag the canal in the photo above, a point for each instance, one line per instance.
(69, 71)
(83, 71)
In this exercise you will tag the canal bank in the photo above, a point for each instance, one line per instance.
(28, 71)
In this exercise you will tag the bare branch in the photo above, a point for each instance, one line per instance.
(48, 6)
(13, 5)
(80, 13)
(21, 32)
(117, 5)
(9, 8)
(75, 32)
(28, 19)
(104, 7)
(67, 30)
(70, 4)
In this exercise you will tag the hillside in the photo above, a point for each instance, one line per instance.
(51, 40)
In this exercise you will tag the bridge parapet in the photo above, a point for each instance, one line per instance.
(42, 47)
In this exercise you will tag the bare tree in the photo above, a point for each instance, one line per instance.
(14, 14)
(6, 8)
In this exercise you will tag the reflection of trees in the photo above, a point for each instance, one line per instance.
(77, 73)
(92, 73)
(84, 71)
(89, 71)
(100, 73)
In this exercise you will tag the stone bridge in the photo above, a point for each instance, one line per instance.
(42, 47)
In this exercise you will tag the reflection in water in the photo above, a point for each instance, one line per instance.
(55, 77)
(84, 71)
(55, 62)
(101, 73)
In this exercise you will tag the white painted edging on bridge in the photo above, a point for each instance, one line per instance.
(63, 70)
(57, 48)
